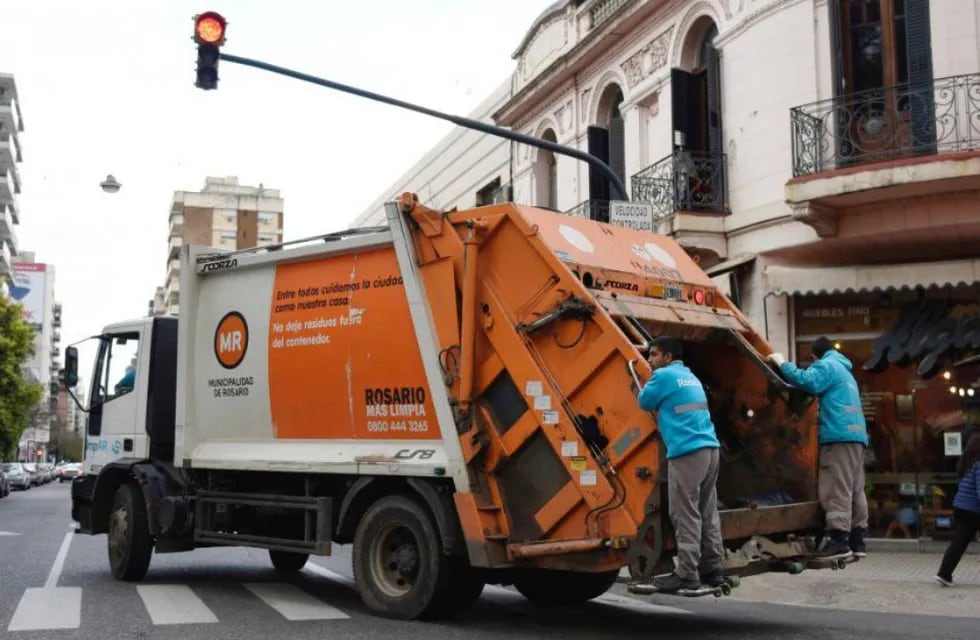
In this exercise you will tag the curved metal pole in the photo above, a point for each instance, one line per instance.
(614, 180)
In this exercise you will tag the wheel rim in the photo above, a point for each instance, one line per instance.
(118, 524)
(395, 560)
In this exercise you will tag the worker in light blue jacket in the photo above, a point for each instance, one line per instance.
(681, 407)
(966, 510)
(843, 440)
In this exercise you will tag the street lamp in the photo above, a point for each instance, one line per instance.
(110, 184)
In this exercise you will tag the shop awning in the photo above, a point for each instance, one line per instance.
(928, 275)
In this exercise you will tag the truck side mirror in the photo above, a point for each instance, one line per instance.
(71, 367)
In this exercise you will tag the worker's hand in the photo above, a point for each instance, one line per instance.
(777, 359)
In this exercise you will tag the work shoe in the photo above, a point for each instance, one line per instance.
(856, 543)
(836, 544)
(714, 579)
(946, 582)
(673, 582)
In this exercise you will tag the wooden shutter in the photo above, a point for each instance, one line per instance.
(834, 9)
(716, 140)
(918, 43)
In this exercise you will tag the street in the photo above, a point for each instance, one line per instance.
(57, 585)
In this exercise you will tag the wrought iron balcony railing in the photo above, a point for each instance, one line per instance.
(886, 124)
(591, 209)
(683, 181)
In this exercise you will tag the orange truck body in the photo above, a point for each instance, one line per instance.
(484, 363)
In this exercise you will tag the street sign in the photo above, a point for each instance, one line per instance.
(635, 215)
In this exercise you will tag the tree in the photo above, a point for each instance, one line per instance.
(17, 395)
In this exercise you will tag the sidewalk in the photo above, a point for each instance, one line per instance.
(883, 582)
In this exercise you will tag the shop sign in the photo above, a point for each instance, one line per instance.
(836, 312)
(926, 333)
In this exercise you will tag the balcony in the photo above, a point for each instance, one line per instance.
(7, 222)
(9, 151)
(9, 185)
(592, 210)
(904, 141)
(685, 181)
(5, 260)
(9, 114)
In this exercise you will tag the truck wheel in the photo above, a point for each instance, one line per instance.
(288, 561)
(398, 562)
(130, 544)
(546, 587)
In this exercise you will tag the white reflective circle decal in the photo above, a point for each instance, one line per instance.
(660, 254)
(576, 238)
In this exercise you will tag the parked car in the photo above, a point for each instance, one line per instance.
(4, 485)
(17, 477)
(69, 471)
(34, 473)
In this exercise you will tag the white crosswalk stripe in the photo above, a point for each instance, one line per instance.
(48, 608)
(174, 604)
(294, 603)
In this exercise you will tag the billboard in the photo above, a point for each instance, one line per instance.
(28, 291)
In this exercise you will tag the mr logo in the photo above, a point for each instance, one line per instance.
(231, 340)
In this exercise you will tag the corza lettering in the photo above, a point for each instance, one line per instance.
(217, 265)
(627, 286)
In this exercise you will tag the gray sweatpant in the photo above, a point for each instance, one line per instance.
(693, 497)
(841, 486)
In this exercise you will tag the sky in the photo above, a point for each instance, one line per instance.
(107, 86)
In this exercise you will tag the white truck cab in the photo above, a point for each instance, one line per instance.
(122, 409)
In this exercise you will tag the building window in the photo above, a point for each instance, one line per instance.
(546, 175)
(268, 238)
(268, 218)
(485, 195)
(916, 414)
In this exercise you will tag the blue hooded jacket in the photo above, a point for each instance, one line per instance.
(968, 492)
(829, 378)
(683, 416)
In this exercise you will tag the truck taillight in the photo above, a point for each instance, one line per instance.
(699, 297)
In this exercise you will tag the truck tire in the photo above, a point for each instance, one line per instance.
(399, 567)
(129, 542)
(544, 587)
(288, 561)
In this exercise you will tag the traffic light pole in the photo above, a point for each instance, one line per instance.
(468, 123)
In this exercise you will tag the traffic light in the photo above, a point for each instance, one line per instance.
(209, 34)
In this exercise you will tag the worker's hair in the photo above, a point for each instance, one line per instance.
(821, 346)
(666, 344)
(971, 454)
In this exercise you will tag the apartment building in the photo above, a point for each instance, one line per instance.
(820, 158)
(33, 285)
(224, 215)
(11, 124)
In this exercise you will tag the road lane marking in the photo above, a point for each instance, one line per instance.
(294, 603)
(330, 575)
(174, 604)
(8, 533)
(59, 562)
(54, 608)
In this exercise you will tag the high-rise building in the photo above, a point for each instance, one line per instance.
(224, 215)
(33, 288)
(10, 156)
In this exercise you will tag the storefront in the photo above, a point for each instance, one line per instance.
(913, 354)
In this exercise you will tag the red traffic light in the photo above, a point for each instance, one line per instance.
(209, 28)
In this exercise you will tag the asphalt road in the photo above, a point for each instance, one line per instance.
(54, 585)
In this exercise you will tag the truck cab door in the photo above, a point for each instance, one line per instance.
(117, 401)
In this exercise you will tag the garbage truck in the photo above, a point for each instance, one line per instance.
(454, 394)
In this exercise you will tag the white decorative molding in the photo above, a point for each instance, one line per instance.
(703, 8)
(609, 77)
(750, 19)
(648, 59)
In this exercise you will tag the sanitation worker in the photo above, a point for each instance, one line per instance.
(843, 440)
(681, 407)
